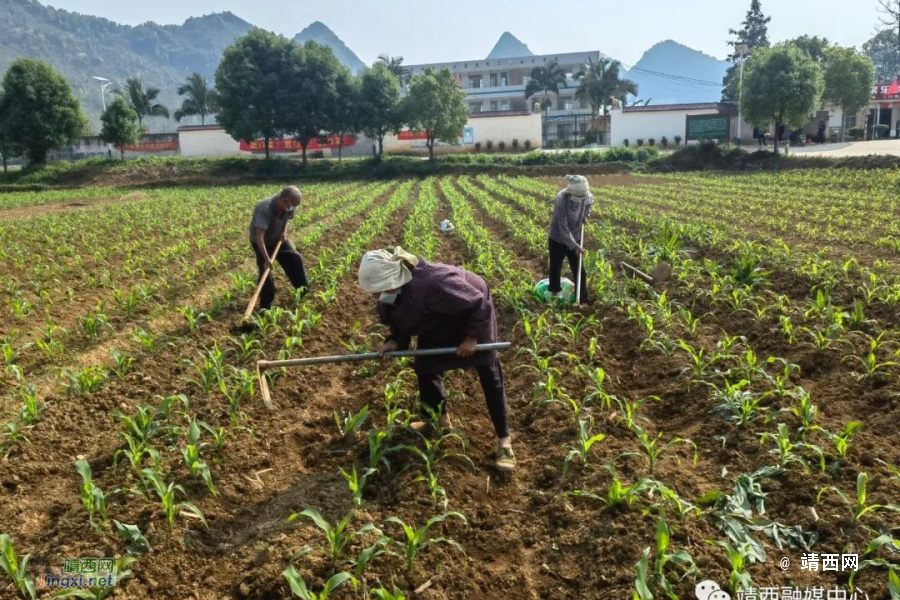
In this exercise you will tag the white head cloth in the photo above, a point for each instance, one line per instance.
(578, 185)
(382, 270)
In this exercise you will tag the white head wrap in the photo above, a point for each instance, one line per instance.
(382, 270)
(578, 185)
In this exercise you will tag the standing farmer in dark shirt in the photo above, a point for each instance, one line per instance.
(268, 227)
(571, 210)
(443, 306)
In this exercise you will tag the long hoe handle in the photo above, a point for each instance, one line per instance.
(578, 281)
(262, 365)
(259, 287)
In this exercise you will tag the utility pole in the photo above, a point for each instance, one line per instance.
(104, 83)
(742, 51)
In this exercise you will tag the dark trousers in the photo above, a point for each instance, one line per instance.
(292, 263)
(558, 253)
(433, 395)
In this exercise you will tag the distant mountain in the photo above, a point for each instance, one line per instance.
(320, 33)
(80, 46)
(660, 72)
(509, 46)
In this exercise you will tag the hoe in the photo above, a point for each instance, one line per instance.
(262, 365)
(661, 273)
(245, 320)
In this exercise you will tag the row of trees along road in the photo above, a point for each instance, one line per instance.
(785, 83)
(270, 87)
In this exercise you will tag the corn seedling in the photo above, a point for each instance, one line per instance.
(740, 406)
(860, 508)
(582, 447)
(351, 422)
(356, 483)
(415, 541)
(86, 380)
(191, 452)
(842, 440)
(16, 570)
(786, 449)
(385, 594)
(194, 317)
(300, 590)
(646, 580)
(135, 542)
(124, 362)
(31, 409)
(338, 536)
(92, 496)
(102, 593)
(218, 435)
(738, 579)
(870, 367)
(93, 321)
(378, 450)
(654, 449)
(167, 497)
(629, 410)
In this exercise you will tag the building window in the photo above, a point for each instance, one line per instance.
(568, 105)
(504, 105)
(526, 79)
(849, 121)
(475, 107)
(475, 81)
(493, 105)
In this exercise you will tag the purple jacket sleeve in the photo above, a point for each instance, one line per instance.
(455, 296)
(403, 342)
(559, 225)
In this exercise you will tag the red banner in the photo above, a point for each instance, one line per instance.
(292, 145)
(412, 135)
(887, 91)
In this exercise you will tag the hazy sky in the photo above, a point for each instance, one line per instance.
(429, 31)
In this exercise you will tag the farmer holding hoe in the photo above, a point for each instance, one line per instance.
(571, 210)
(443, 306)
(269, 226)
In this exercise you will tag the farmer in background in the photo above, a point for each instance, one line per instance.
(442, 306)
(571, 210)
(822, 128)
(269, 226)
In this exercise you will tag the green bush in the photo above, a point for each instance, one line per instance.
(527, 145)
(856, 133)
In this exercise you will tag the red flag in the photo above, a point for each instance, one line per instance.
(894, 89)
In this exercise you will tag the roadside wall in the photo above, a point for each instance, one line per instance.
(503, 126)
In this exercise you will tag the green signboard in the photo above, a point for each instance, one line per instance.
(708, 127)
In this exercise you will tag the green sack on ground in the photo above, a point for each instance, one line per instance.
(543, 294)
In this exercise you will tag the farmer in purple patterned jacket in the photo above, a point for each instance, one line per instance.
(441, 305)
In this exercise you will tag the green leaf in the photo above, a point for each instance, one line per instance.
(298, 586)
(640, 581)
(335, 581)
(894, 584)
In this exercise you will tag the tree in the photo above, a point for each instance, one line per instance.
(344, 117)
(754, 33)
(251, 83)
(201, 99)
(312, 92)
(781, 85)
(7, 148)
(40, 111)
(545, 80)
(395, 66)
(600, 83)
(814, 46)
(379, 107)
(890, 20)
(849, 77)
(142, 101)
(120, 125)
(885, 54)
(436, 105)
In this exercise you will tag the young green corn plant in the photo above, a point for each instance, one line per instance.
(738, 579)
(842, 440)
(415, 541)
(786, 449)
(654, 448)
(582, 447)
(246, 347)
(85, 381)
(31, 409)
(351, 422)
(124, 362)
(242, 386)
(859, 509)
(870, 368)
(619, 494)
(646, 581)
(300, 590)
(92, 497)
(781, 383)
(385, 594)
(194, 317)
(135, 542)
(218, 435)
(16, 570)
(338, 536)
(147, 340)
(94, 320)
(167, 497)
(804, 410)
(629, 410)
(893, 569)
(596, 389)
(378, 450)
(191, 452)
(356, 483)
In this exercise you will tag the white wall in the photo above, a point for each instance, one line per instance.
(645, 125)
(495, 129)
(208, 142)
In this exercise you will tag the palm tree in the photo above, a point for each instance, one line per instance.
(545, 80)
(201, 99)
(395, 66)
(601, 84)
(142, 101)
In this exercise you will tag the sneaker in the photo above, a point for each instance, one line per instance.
(506, 460)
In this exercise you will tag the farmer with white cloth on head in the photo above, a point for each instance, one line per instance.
(571, 210)
(442, 306)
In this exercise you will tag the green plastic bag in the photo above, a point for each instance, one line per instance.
(543, 294)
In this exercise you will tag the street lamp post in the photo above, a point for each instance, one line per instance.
(742, 51)
(104, 83)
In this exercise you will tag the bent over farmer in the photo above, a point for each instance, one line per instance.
(441, 305)
(571, 210)
(271, 218)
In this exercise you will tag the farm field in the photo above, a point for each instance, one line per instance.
(704, 429)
